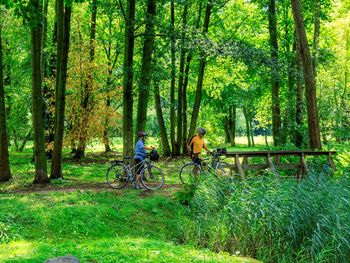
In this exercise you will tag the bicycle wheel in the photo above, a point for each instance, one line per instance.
(189, 173)
(152, 177)
(223, 171)
(117, 176)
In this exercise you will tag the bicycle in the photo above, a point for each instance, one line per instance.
(120, 174)
(193, 169)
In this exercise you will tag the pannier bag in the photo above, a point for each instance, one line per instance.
(154, 156)
(221, 150)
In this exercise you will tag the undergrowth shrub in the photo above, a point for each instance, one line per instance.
(271, 220)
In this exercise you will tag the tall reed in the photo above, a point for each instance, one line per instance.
(274, 221)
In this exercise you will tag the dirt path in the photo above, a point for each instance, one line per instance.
(97, 187)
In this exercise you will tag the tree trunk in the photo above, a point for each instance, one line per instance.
(63, 37)
(106, 141)
(146, 70)
(48, 92)
(251, 131)
(245, 113)
(128, 79)
(317, 26)
(232, 125)
(202, 64)
(38, 121)
(276, 111)
(185, 84)
(172, 84)
(180, 99)
(299, 99)
(5, 171)
(161, 124)
(310, 84)
(86, 102)
(184, 103)
(226, 130)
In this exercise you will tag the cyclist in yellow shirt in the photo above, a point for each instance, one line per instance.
(197, 143)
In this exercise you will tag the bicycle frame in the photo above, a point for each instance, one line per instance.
(215, 163)
(131, 175)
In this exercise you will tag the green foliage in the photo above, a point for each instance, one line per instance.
(275, 221)
(126, 226)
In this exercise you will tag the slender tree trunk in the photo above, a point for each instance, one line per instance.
(276, 111)
(106, 141)
(185, 84)
(245, 113)
(5, 171)
(184, 104)
(265, 135)
(251, 131)
(180, 99)
(109, 82)
(310, 83)
(317, 26)
(128, 79)
(299, 99)
(63, 36)
(86, 102)
(48, 92)
(24, 142)
(232, 125)
(172, 84)
(38, 121)
(202, 64)
(161, 124)
(344, 121)
(226, 130)
(146, 68)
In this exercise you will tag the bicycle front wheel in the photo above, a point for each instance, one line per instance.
(189, 173)
(223, 171)
(152, 177)
(117, 176)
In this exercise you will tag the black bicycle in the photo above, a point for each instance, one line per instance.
(190, 171)
(120, 173)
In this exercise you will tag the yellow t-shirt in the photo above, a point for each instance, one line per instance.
(196, 144)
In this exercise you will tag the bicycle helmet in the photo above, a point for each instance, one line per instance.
(201, 131)
(141, 133)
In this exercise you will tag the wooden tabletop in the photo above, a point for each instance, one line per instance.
(279, 152)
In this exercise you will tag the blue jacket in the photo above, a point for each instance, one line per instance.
(140, 152)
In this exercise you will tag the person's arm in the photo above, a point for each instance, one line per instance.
(206, 148)
(149, 148)
(188, 145)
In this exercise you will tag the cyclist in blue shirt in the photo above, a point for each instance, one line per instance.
(140, 155)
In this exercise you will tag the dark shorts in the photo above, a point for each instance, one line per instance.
(139, 167)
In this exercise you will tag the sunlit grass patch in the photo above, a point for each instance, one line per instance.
(97, 227)
(17, 251)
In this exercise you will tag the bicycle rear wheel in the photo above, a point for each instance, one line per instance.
(117, 176)
(189, 173)
(152, 177)
(223, 171)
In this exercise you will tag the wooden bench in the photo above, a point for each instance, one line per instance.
(273, 160)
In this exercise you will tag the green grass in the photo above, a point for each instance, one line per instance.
(124, 226)
(105, 225)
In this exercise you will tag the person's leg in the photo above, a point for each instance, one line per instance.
(138, 173)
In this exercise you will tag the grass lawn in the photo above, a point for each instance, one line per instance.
(80, 216)
(97, 226)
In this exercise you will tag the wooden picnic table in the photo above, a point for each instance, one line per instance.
(273, 160)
